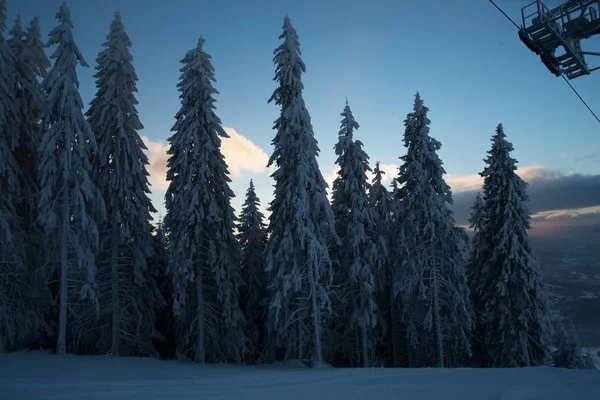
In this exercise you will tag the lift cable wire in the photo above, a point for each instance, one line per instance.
(506, 15)
(565, 79)
(580, 98)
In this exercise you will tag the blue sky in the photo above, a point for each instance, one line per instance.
(463, 57)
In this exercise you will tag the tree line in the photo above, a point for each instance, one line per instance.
(377, 277)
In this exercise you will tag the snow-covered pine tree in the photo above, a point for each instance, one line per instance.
(34, 46)
(357, 263)
(301, 224)
(434, 290)
(252, 235)
(30, 293)
(204, 253)
(165, 321)
(390, 342)
(30, 66)
(12, 257)
(567, 353)
(508, 291)
(127, 292)
(68, 194)
(475, 220)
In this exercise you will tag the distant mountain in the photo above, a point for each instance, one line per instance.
(571, 263)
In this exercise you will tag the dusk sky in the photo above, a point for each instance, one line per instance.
(463, 56)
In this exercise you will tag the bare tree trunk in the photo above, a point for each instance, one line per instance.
(365, 347)
(61, 345)
(437, 318)
(316, 314)
(116, 304)
(356, 350)
(200, 347)
(300, 339)
(393, 323)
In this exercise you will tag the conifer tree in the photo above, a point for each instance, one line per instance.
(12, 257)
(31, 65)
(68, 195)
(475, 220)
(165, 320)
(204, 255)
(252, 235)
(301, 224)
(508, 292)
(357, 263)
(120, 173)
(30, 291)
(381, 202)
(435, 295)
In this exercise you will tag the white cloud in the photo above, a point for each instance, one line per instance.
(561, 215)
(241, 155)
(459, 183)
(157, 155)
(463, 183)
(474, 182)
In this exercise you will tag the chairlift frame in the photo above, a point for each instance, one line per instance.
(545, 30)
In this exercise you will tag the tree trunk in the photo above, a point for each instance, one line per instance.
(316, 314)
(365, 346)
(116, 305)
(437, 318)
(61, 345)
(200, 347)
(393, 323)
(300, 340)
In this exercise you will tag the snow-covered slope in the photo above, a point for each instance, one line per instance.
(44, 376)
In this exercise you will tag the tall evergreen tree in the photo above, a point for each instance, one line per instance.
(68, 194)
(31, 65)
(203, 249)
(475, 220)
(120, 174)
(34, 46)
(31, 288)
(11, 249)
(301, 224)
(252, 235)
(380, 200)
(509, 295)
(166, 325)
(357, 263)
(434, 285)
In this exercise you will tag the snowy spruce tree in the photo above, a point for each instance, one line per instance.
(204, 253)
(252, 235)
(12, 255)
(301, 224)
(166, 325)
(434, 290)
(475, 220)
(380, 201)
(126, 289)
(357, 263)
(508, 293)
(68, 195)
(30, 297)
(31, 66)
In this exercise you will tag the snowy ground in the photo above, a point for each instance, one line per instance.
(45, 376)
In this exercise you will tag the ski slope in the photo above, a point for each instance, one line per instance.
(45, 376)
